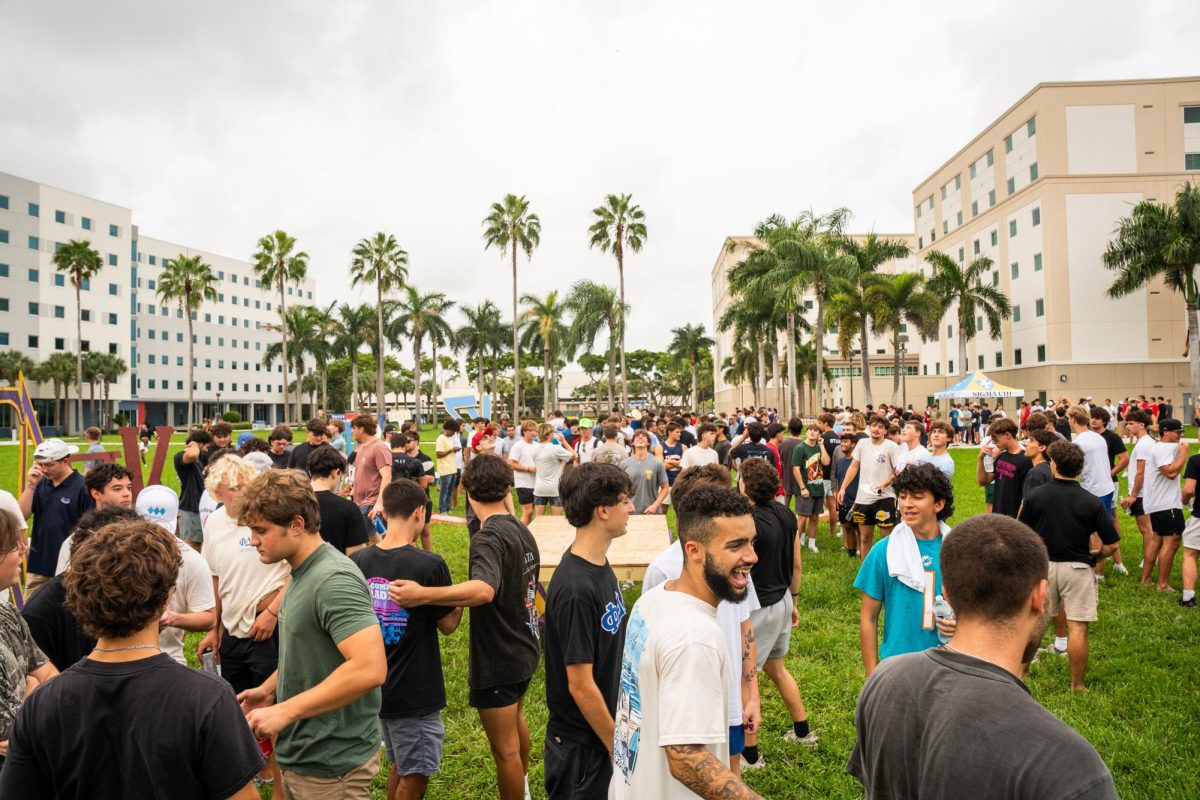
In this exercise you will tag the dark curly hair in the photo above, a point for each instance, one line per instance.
(121, 576)
(100, 475)
(278, 496)
(926, 478)
(253, 444)
(699, 509)
(487, 479)
(1067, 458)
(590, 486)
(98, 518)
(760, 479)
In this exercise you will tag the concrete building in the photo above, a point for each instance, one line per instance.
(1039, 192)
(123, 316)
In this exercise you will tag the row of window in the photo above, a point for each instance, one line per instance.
(61, 217)
(33, 342)
(1018, 360)
(208, 386)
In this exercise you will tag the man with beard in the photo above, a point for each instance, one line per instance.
(671, 737)
(926, 708)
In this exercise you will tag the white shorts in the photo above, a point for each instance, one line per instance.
(772, 629)
(1191, 534)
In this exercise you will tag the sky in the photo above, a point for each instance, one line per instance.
(219, 122)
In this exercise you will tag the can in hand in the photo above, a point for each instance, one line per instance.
(266, 747)
(208, 662)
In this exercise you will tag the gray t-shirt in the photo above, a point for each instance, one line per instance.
(648, 475)
(939, 724)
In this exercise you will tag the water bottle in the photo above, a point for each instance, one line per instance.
(989, 463)
(942, 610)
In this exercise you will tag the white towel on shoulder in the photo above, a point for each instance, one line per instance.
(904, 557)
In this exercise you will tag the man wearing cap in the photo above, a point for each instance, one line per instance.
(1162, 499)
(586, 444)
(55, 493)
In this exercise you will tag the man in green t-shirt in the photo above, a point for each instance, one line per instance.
(809, 460)
(323, 701)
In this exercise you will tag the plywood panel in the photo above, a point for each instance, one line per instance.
(646, 536)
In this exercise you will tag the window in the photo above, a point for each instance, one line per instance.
(60, 312)
(152, 361)
(938, 368)
(179, 361)
(3, 201)
(949, 331)
(1033, 173)
(35, 210)
(113, 288)
(981, 362)
(944, 191)
(974, 208)
(3, 236)
(957, 185)
(972, 172)
(151, 284)
(991, 198)
(999, 359)
(151, 332)
(152, 260)
(1008, 143)
(1037, 262)
(179, 384)
(4, 339)
(1012, 227)
(33, 276)
(995, 238)
(975, 247)
(1039, 307)
(1016, 271)
(113, 230)
(60, 279)
(1037, 217)
(112, 348)
(60, 217)
(33, 341)
(1017, 357)
(112, 319)
(86, 223)
(920, 242)
(1191, 161)
(950, 368)
(1031, 127)
(150, 308)
(1190, 114)
(3, 304)
(1041, 353)
(60, 343)
(33, 243)
(979, 323)
(996, 278)
(1012, 185)
(3, 270)
(958, 218)
(932, 236)
(1016, 313)
(989, 158)
(961, 255)
(112, 259)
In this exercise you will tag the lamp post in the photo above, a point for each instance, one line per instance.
(853, 355)
(218, 405)
(903, 340)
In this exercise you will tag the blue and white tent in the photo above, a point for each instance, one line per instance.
(976, 386)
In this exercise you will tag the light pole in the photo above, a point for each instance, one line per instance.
(218, 405)
(853, 355)
(903, 340)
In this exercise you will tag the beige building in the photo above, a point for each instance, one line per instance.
(1039, 192)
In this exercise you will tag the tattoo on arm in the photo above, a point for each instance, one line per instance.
(699, 770)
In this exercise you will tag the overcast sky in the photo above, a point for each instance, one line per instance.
(218, 122)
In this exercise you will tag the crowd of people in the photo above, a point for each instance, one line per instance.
(310, 570)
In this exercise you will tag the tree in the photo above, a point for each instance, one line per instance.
(901, 300)
(352, 327)
(509, 227)
(689, 344)
(954, 283)
(754, 322)
(307, 339)
(382, 262)
(597, 308)
(113, 367)
(187, 281)
(440, 335)
(58, 370)
(1157, 241)
(12, 364)
(93, 373)
(481, 334)
(416, 315)
(545, 329)
(80, 262)
(277, 263)
(619, 224)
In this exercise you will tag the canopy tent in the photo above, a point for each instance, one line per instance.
(975, 386)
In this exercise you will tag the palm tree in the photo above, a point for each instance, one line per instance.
(440, 335)
(187, 281)
(545, 329)
(1161, 241)
(754, 323)
(689, 344)
(93, 373)
(114, 367)
(953, 282)
(898, 301)
(619, 224)
(482, 333)
(597, 308)
(352, 327)
(416, 315)
(277, 263)
(13, 364)
(58, 370)
(307, 339)
(80, 261)
(382, 262)
(326, 324)
(510, 226)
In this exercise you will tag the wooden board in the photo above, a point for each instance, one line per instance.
(646, 536)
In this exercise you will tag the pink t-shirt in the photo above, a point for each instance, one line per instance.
(372, 457)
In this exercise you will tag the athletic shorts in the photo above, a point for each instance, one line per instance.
(246, 663)
(539, 500)
(414, 744)
(524, 496)
(989, 493)
(1072, 584)
(1191, 534)
(844, 512)
(1136, 510)
(882, 513)
(809, 506)
(1167, 523)
(575, 771)
(498, 696)
(1107, 500)
(188, 525)
(772, 629)
(737, 740)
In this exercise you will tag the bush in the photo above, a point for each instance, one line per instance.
(231, 416)
(241, 426)
(120, 419)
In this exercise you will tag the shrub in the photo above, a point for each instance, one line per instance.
(231, 416)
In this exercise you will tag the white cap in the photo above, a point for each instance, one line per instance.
(160, 505)
(260, 461)
(54, 450)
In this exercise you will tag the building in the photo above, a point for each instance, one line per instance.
(123, 316)
(1039, 192)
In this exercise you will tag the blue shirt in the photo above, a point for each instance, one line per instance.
(56, 509)
(908, 625)
(840, 468)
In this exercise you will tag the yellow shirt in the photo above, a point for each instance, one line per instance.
(446, 465)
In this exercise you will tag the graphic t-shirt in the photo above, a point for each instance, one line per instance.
(585, 624)
(1011, 470)
(876, 464)
(19, 656)
(674, 687)
(908, 625)
(504, 636)
(414, 685)
(749, 449)
(648, 476)
(808, 458)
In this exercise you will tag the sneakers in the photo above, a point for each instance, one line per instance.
(1054, 649)
(812, 546)
(762, 762)
(1189, 603)
(808, 741)
(1099, 579)
(1121, 568)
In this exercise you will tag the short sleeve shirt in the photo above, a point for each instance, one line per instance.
(193, 593)
(504, 634)
(56, 509)
(368, 481)
(648, 475)
(876, 464)
(808, 458)
(19, 656)
(908, 625)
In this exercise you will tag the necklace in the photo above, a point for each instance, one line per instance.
(130, 647)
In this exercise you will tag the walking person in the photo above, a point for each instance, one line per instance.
(878, 460)
(807, 461)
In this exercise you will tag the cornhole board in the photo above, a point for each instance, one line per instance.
(646, 536)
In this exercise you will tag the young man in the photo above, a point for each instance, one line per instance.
(372, 468)
(501, 593)
(189, 469)
(791, 487)
(1163, 501)
(877, 459)
(926, 708)
(447, 446)
(671, 739)
(585, 634)
(671, 450)
(723, 445)
(551, 455)
(322, 702)
(902, 577)
(807, 463)
(109, 484)
(342, 524)
(1010, 465)
(56, 497)
(751, 444)
(316, 435)
(92, 436)
(1191, 532)
(1096, 476)
(409, 462)
(414, 693)
(1035, 448)
(1066, 516)
(704, 452)
(649, 477)
(939, 448)
(279, 441)
(586, 444)
(520, 459)
(911, 450)
(831, 441)
(222, 434)
(180, 728)
(1136, 423)
(849, 530)
(1118, 460)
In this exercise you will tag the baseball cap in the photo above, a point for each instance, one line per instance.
(260, 461)
(54, 450)
(1170, 425)
(160, 505)
(244, 437)
(586, 422)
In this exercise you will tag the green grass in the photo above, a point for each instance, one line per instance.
(1140, 711)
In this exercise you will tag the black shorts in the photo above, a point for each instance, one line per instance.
(524, 496)
(1136, 509)
(540, 500)
(497, 696)
(246, 663)
(575, 771)
(844, 511)
(881, 513)
(1167, 523)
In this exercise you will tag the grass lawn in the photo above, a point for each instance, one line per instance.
(1140, 712)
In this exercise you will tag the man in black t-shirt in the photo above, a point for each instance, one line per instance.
(504, 636)
(409, 462)
(414, 692)
(585, 636)
(754, 446)
(832, 442)
(317, 435)
(342, 524)
(1010, 466)
(189, 468)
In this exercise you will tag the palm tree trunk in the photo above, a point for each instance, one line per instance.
(284, 329)
(547, 378)
(1193, 353)
(864, 340)
(896, 366)
(324, 390)
(962, 346)
(417, 381)
(354, 398)
(760, 384)
(380, 389)
(58, 403)
(621, 281)
(433, 380)
(695, 388)
(479, 380)
(793, 387)
(612, 374)
(191, 367)
(78, 358)
(819, 344)
(516, 409)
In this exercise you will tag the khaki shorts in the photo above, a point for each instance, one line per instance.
(354, 785)
(1191, 534)
(1073, 585)
(772, 629)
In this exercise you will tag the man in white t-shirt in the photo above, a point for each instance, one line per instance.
(1163, 498)
(1136, 422)
(672, 736)
(1097, 475)
(703, 453)
(586, 444)
(520, 458)
(911, 449)
(876, 464)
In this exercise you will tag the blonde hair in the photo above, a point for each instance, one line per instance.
(528, 425)
(545, 431)
(231, 471)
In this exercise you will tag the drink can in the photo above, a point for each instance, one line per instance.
(266, 747)
(208, 662)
